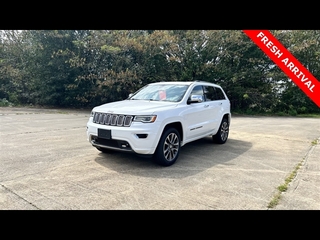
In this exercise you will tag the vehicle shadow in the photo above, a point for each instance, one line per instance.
(194, 157)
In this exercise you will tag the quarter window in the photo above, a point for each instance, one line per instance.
(220, 95)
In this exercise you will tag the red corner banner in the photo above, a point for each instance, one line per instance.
(287, 63)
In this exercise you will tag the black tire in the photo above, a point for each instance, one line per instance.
(104, 150)
(168, 148)
(222, 135)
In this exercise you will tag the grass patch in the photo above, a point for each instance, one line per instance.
(62, 112)
(276, 114)
(284, 187)
(314, 142)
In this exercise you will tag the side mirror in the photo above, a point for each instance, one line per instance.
(195, 99)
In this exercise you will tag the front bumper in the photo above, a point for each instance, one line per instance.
(139, 137)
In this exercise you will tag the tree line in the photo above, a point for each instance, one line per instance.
(84, 68)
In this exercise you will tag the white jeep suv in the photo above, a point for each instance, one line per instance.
(160, 118)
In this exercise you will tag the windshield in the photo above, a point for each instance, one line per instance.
(161, 92)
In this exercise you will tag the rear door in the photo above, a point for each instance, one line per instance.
(215, 99)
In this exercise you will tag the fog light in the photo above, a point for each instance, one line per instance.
(142, 135)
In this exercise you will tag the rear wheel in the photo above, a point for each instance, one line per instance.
(168, 149)
(222, 135)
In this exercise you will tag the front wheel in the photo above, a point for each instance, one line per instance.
(222, 135)
(168, 149)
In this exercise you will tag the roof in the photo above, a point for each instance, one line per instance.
(183, 82)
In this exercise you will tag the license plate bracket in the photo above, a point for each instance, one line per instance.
(104, 133)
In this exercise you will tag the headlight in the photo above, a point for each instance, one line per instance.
(145, 119)
(92, 114)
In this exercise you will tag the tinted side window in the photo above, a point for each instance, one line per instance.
(197, 90)
(209, 93)
(220, 95)
(213, 93)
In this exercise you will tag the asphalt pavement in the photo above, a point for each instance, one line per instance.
(46, 163)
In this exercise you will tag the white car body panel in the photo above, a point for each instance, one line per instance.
(197, 120)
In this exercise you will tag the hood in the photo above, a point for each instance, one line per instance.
(134, 107)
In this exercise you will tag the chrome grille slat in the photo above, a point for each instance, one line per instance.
(107, 119)
(96, 116)
(101, 118)
(127, 121)
(120, 120)
(114, 119)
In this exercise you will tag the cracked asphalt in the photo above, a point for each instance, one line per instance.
(46, 163)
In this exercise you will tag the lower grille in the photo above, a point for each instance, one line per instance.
(111, 144)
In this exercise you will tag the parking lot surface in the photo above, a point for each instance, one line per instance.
(46, 163)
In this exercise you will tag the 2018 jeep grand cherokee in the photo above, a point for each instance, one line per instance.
(160, 118)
